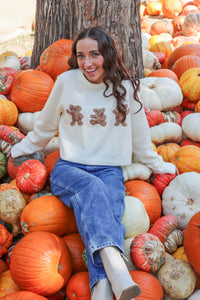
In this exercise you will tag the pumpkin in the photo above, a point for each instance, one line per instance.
(25, 295)
(154, 8)
(168, 132)
(78, 286)
(31, 176)
(147, 252)
(76, 246)
(180, 40)
(3, 164)
(135, 218)
(187, 141)
(161, 181)
(180, 254)
(177, 278)
(186, 104)
(14, 163)
(190, 126)
(187, 49)
(172, 116)
(153, 39)
(161, 26)
(10, 61)
(187, 159)
(7, 284)
(181, 197)
(164, 226)
(154, 117)
(171, 8)
(128, 261)
(162, 46)
(184, 63)
(164, 73)
(31, 89)
(191, 241)
(8, 112)
(197, 107)
(149, 285)
(149, 196)
(57, 54)
(3, 266)
(155, 90)
(177, 22)
(150, 61)
(136, 171)
(7, 54)
(26, 121)
(5, 240)
(40, 263)
(189, 83)
(48, 213)
(168, 151)
(50, 160)
(26, 196)
(173, 241)
(12, 204)
(191, 24)
(9, 136)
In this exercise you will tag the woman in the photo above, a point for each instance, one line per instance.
(96, 108)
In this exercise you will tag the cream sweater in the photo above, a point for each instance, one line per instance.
(90, 128)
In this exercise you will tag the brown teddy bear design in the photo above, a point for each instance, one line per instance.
(119, 117)
(99, 117)
(75, 113)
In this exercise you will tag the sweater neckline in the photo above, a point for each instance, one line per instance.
(89, 84)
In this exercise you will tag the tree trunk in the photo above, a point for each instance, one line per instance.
(66, 18)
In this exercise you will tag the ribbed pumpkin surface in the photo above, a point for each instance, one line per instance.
(187, 159)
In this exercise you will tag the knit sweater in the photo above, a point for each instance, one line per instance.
(91, 130)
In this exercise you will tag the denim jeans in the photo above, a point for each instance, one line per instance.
(96, 194)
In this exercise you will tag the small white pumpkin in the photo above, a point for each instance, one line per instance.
(181, 198)
(26, 121)
(136, 171)
(12, 62)
(191, 125)
(150, 61)
(160, 93)
(135, 218)
(166, 132)
(52, 146)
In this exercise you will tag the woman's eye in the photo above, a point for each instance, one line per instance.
(79, 56)
(95, 54)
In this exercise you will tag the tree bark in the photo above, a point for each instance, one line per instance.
(66, 18)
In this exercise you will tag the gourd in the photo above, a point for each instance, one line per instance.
(177, 278)
(161, 181)
(54, 59)
(3, 164)
(9, 136)
(8, 112)
(40, 263)
(173, 240)
(187, 159)
(155, 90)
(191, 24)
(136, 171)
(48, 213)
(168, 132)
(31, 89)
(135, 218)
(181, 197)
(78, 286)
(189, 83)
(190, 126)
(147, 252)
(12, 204)
(5, 240)
(149, 196)
(25, 295)
(154, 117)
(7, 284)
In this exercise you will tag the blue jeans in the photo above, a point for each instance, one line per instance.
(96, 194)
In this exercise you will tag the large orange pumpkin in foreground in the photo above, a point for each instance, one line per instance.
(23, 295)
(40, 263)
(149, 196)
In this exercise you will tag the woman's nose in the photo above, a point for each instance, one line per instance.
(87, 61)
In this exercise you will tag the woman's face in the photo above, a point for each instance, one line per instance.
(90, 60)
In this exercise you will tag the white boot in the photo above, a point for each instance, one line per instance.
(118, 274)
(102, 290)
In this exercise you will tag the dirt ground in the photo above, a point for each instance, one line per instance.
(21, 45)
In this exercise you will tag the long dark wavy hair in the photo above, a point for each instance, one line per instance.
(115, 70)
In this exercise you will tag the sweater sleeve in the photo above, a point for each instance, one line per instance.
(142, 145)
(45, 127)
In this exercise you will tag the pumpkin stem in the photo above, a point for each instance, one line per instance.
(59, 267)
(25, 226)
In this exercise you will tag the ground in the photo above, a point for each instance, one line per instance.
(21, 45)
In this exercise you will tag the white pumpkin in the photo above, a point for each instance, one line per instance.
(166, 132)
(135, 218)
(195, 295)
(181, 198)
(136, 171)
(150, 61)
(26, 121)
(52, 146)
(191, 125)
(12, 62)
(128, 260)
(160, 93)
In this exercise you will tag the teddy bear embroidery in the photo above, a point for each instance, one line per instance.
(98, 117)
(74, 111)
(119, 117)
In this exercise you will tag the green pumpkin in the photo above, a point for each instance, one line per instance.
(3, 164)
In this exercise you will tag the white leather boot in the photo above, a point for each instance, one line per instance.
(102, 290)
(118, 274)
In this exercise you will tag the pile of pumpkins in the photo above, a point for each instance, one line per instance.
(42, 255)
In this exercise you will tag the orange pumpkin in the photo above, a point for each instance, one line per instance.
(184, 63)
(168, 151)
(76, 247)
(187, 159)
(40, 263)
(154, 8)
(8, 112)
(162, 46)
(3, 266)
(164, 73)
(7, 284)
(164, 226)
(161, 26)
(191, 241)
(48, 213)
(188, 49)
(23, 295)
(31, 89)
(190, 84)
(149, 285)
(50, 160)
(171, 8)
(5, 239)
(54, 59)
(78, 287)
(180, 254)
(149, 196)
(153, 39)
